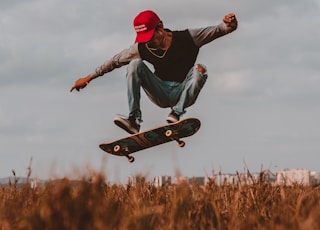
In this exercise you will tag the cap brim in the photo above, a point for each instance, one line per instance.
(144, 37)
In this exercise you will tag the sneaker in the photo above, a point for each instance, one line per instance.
(173, 117)
(131, 124)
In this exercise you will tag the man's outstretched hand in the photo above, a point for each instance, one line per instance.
(230, 20)
(81, 83)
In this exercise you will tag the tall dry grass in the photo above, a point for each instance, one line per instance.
(94, 204)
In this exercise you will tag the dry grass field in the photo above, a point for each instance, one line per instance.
(96, 205)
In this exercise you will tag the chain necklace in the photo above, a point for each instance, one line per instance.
(151, 50)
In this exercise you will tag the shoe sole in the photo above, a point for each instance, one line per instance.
(124, 127)
(171, 120)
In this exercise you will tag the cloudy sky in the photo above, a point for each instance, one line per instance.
(259, 108)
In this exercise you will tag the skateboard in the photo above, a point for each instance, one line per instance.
(160, 135)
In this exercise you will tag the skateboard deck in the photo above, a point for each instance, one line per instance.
(147, 139)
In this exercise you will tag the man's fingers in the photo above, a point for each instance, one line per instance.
(80, 84)
(226, 19)
(229, 17)
(75, 87)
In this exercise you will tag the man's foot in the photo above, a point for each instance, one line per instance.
(131, 124)
(173, 117)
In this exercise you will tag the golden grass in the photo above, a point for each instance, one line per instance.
(94, 204)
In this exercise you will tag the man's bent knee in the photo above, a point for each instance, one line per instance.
(201, 68)
(134, 67)
(135, 63)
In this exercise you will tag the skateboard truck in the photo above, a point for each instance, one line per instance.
(125, 153)
(130, 158)
(169, 133)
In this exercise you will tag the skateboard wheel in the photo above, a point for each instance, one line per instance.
(130, 159)
(168, 133)
(181, 144)
(116, 148)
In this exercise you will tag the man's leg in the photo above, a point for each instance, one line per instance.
(158, 91)
(190, 89)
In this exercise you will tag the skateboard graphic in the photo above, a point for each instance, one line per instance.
(147, 139)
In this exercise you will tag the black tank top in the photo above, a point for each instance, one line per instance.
(177, 61)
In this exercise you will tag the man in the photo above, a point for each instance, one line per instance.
(176, 81)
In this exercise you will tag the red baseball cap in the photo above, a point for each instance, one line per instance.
(145, 24)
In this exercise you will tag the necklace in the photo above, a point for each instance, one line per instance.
(151, 50)
(155, 51)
